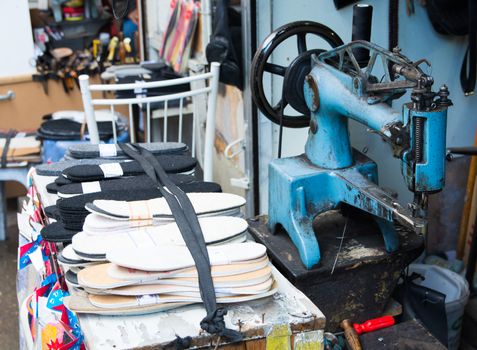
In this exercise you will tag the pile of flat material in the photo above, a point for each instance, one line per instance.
(72, 210)
(157, 209)
(113, 151)
(128, 255)
(71, 125)
(105, 173)
(131, 258)
(147, 223)
(19, 149)
(95, 241)
(148, 279)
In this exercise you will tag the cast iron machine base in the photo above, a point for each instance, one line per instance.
(301, 191)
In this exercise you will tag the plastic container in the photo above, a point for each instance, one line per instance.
(456, 289)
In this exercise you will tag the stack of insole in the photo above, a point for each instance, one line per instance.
(82, 181)
(108, 151)
(66, 129)
(129, 255)
(145, 279)
(150, 223)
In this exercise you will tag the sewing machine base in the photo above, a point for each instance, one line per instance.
(364, 276)
(299, 191)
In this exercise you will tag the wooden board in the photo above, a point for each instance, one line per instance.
(255, 319)
(409, 335)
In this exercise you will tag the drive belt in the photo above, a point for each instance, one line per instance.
(468, 71)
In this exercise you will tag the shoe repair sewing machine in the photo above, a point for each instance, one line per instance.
(346, 83)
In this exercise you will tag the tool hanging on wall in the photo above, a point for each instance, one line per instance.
(458, 18)
(64, 67)
(120, 8)
(225, 44)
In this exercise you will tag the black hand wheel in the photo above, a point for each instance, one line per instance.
(294, 75)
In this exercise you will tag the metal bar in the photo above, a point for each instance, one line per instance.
(249, 32)
(115, 133)
(10, 95)
(471, 150)
(181, 104)
(148, 122)
(88, 109)
(125, 101)
(132, 130)
(194, 121)
(210, 123)
(150, 84)
(165, 120)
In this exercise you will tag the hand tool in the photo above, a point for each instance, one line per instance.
(43, 79)
(96, 48)
(374, 324)
(352, 338)
(112, 48)
(327, 88)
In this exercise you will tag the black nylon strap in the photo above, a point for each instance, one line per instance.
(189, 226)
(468, 71)
(393, 20)
(8, 138)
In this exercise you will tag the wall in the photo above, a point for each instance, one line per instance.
(416, 38)
(17, 49)
(229, 115)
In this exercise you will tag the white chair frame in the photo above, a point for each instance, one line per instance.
(209, 89)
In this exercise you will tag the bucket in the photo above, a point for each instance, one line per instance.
(456, 289)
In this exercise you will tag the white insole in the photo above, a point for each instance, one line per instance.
(203, 203)
(177, 257)
(118, 302)
(219, 229)
(126, 274)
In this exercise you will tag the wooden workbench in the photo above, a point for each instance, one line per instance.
(288, 317)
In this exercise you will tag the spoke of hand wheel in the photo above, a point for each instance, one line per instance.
(277, 108)
(301, 42)
(275, 69)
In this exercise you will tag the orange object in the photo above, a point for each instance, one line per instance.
(374, 324)
(464, 223)
(351, 336)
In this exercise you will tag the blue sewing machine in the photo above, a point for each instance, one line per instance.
(339, 86)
